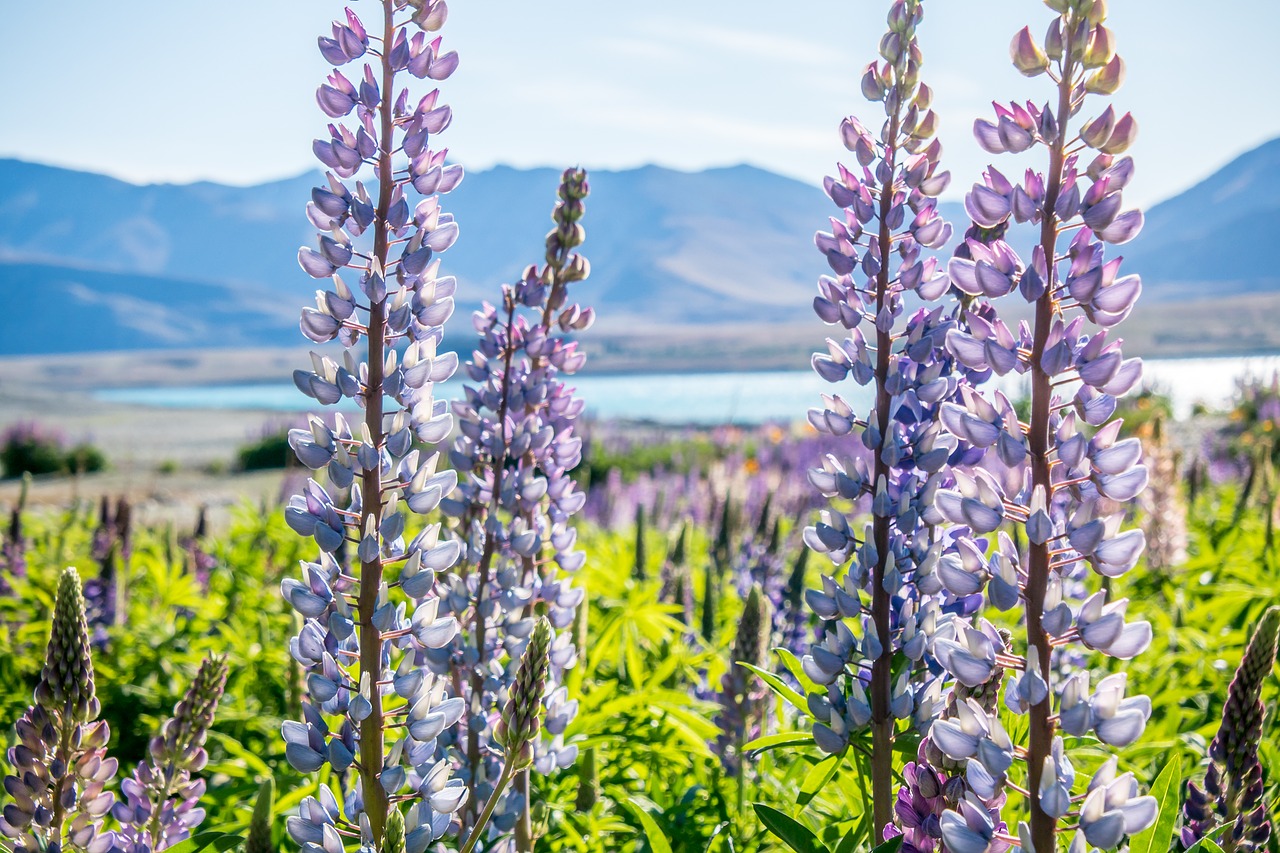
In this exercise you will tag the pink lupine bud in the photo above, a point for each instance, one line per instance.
(923, 98)
(1027, 56)
(873, 88)
(1106, 80)
(1122, 136)
(891, 47)
(1100, 49)
(901, 20)
(1096, 133)
(1053, 40)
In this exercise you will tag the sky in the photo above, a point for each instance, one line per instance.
(153, 91)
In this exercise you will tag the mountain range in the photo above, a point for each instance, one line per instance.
(89, 263)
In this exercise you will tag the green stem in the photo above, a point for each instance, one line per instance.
(483, 820)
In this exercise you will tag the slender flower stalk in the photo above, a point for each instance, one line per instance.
(1056, 476)
(1232, 790)
(889, 217)
(514, 503)
(374, 711)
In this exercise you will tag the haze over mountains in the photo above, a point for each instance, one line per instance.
(89, 263)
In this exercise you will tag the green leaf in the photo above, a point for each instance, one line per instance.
(218, 841)
(847, 844)
(796, 835)
(818, 777)
(652, 832)
(778, 686)
(890, 846)
(1158, 837)
(768, 742)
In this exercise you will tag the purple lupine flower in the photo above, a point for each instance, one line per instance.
(371, 611)
(875, 248)
(58, 789)
(514, 502)
(161, 804)
(1232, 791)
(1054, 476)
(945, 774)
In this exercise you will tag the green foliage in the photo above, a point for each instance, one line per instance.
(168, 625)
(648, 778)
(28, 449)
(270, 451)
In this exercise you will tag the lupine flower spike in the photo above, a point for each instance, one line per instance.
(518, 727)
(879, 613)
(514, 505)
(1232, 791)
(57, 795)
(161, 799)
(374, 711)
(1060, 476)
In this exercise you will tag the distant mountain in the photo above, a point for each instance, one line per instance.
(722, 246)
(1217, 237)
(91, 263)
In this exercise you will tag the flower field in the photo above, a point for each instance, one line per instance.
(947, 619)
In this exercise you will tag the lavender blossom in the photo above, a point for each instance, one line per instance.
(58, 790)
(513, 506)
(875, 249)
(1232, 790)
(161, 799)
(1058, 477)
(370, 619)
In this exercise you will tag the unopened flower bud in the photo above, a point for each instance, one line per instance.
(1100, 49)
(872, 87)
(1106, 80)
(1053, 40)
(1122, 136)
(1027, 56)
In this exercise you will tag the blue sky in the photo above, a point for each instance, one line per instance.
(162, 91)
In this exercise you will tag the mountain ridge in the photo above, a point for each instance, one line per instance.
(670, 249)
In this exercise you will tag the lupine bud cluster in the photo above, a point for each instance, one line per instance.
(161, 799)
(1232, 790)
(369, 601)
(519, 725)
(743, 698)
(1060, 476)
(876, 249)
(514, 503)
(57, 793)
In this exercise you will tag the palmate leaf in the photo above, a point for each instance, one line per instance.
(796, 835)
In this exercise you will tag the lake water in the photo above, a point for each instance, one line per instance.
(708, 398)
